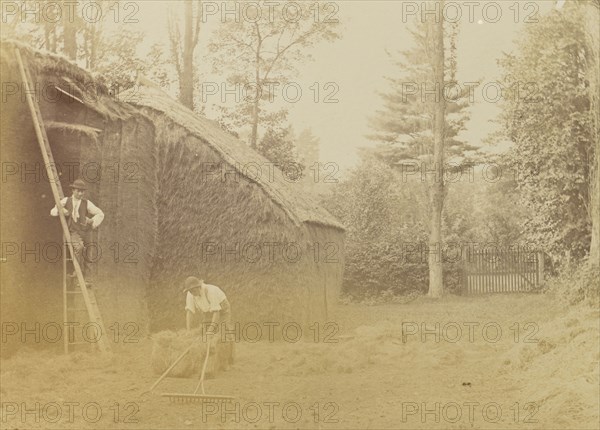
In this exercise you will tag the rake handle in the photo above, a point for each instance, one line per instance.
(201, 382)
(172, 366)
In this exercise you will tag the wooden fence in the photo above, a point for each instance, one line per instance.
(493, 271)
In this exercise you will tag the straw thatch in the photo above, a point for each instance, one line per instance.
(71, 81)
(232, 210)
(161, 207)
(235, 153)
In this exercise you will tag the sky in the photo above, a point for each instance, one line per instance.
(352, 70)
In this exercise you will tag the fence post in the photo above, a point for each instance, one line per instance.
(465, 272)
(540, 268)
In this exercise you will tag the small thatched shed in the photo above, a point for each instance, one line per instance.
(181, 197)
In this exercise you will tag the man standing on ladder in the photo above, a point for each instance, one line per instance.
(77, 209)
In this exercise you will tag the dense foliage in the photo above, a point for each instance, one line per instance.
(548, 116)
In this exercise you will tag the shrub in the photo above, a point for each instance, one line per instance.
(577, 284)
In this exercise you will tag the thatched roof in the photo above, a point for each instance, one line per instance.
(288, 195)
(70, 80)
(83, 87)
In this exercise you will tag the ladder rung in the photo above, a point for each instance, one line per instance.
(74, 292)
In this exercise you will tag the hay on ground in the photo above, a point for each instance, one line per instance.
(563, 359)
(168, 345)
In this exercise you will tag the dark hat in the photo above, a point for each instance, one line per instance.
(191, 283)
(78, 184)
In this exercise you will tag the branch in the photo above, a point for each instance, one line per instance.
(197, 29)
(279, 39)
(280, 53)
(174, 39)
(240, 42)
(271, 33)
(258, 33)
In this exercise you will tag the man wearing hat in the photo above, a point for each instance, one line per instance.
(205, 298)
(208, 298)
(78, 211)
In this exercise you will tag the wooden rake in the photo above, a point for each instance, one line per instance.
(203, 397)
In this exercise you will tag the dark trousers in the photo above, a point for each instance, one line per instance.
(80, 240)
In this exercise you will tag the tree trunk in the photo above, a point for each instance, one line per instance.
(94, 46)
(47, 33)
(436, 42)
(254, 136)
(186, 80)
(595, 204)
(54, 42)
(256, 107)
(594, 80)
(69, 17)
(90, 45)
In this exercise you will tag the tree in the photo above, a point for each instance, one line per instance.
(183, 56)
(435, 41)
(157, 68)
(116, 61)
(94, 39)
(16, 25)
(418, 131)
(258, 52)
(593, 75)
(51, 26)
(384, 229)
(71, 22)
(549, 116)
(404, 125)
(112, 55)
(307, 146)
(277, 145)
(58, 32)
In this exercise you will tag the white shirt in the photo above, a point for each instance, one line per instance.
(211, 302)
(98, 215)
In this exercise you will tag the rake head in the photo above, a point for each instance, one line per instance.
(196, 398)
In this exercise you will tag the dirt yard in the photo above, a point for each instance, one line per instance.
(492, 362)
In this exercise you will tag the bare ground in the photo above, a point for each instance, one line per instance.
(493, 362)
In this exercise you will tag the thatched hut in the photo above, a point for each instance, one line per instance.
(154, 168)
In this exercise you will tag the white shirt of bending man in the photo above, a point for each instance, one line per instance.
(97, 214)
(209, 299)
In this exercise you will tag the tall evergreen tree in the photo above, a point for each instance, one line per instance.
(404, 125)
(418, 128)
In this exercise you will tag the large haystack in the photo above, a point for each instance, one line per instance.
(277, 255)
(107, 143)
(181, 197)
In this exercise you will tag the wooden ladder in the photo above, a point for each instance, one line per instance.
(89, 299)
(74, 307)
